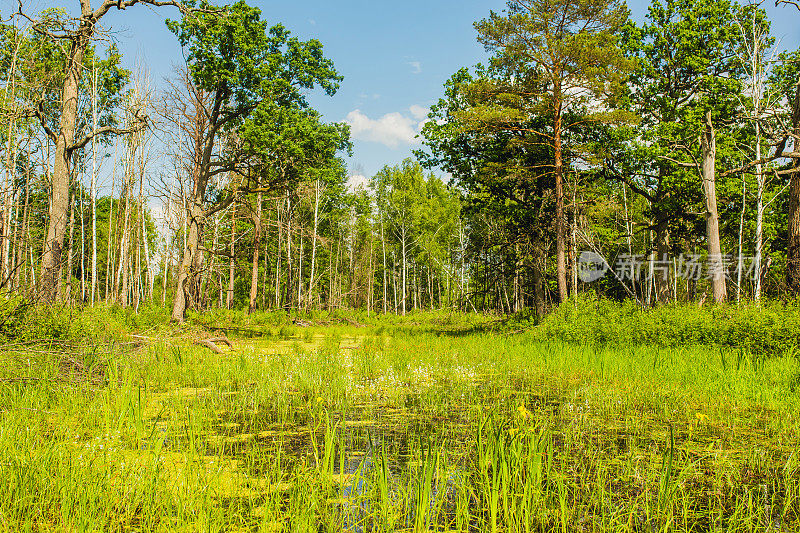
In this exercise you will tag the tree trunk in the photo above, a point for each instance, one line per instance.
(124, 260)
(313, 245)
(299, 266)
(385, 288)
(759, 218)
(278, 256)
(50, 279)
(394, 281)
(793, 251)
(68, 292)
(167, 255)
(405, 270)
(740, 257)
(93, 192)
(371, 274)
(232, 261)
(660, 276)
(574, 243)
(109, 256)
(83, 250)
(561, 244)
(185, 274)
(256, 244)
(266, 282)
(8, 186)
(716, 263)
(23, 238)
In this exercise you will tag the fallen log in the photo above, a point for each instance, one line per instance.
(211, 343)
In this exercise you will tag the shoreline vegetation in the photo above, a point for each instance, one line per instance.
(435, 420)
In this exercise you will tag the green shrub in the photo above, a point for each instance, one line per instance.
(773, 328)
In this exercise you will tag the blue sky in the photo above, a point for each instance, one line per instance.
(394, 56)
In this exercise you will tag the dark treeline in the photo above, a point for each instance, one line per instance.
(662, 154)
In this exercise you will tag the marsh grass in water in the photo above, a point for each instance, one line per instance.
(382, 428)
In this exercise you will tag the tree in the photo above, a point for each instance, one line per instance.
(77, 36)
(570, 47)
(757, 102)
(400, 195)
(241, 64)
(687, 65)
(502, 171)
(790, 75)
(708, 142)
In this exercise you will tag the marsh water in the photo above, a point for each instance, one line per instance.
(472, 447)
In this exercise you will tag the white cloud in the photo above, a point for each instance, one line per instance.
(416, 67)
(419, 112)
(392, 129)
(357, 180)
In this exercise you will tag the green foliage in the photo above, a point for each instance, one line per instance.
(686, 65)
(39, 72)
(768, 330)
(293, 145)
(234, 54)
(24, 322)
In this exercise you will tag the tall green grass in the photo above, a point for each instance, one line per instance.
(414, 427)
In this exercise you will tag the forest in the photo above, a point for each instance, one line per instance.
(655, 144)
(573, 306)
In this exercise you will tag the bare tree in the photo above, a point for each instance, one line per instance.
(758, 101)
(74, 36)
(708, 143)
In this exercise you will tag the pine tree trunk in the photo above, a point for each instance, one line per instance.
(561, 244)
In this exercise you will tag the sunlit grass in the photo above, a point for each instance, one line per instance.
(415, 426)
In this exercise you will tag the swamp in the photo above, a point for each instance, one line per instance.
(429, 422)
